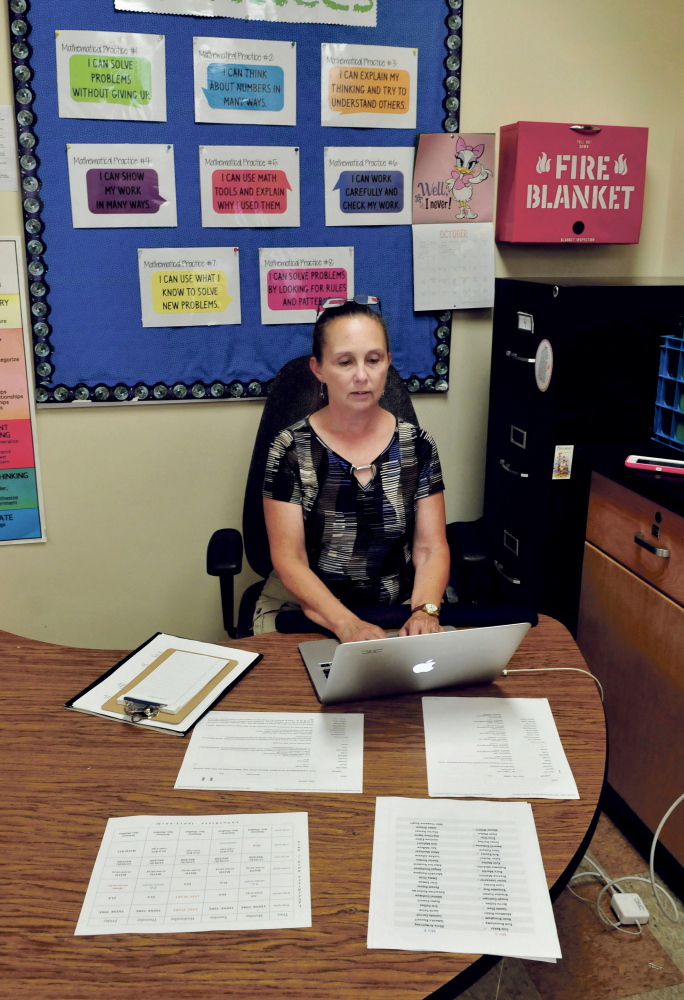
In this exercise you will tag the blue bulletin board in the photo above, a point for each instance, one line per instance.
(89, 341)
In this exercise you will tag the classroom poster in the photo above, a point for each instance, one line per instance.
(21, 518)
(453, 266)
(115, 185)
(363, 13)
(368, 86)
(9, 174)
(294, 280)
(368, 185)
(245, 81)
(105, 74)
(249, 186)
(454, 178)
(189, 286)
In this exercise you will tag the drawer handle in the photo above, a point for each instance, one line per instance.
(513, 472)
(653, 549)
(499, 569)
(519, 357)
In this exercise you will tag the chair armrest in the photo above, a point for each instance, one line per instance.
(224, 553)
(466, 541)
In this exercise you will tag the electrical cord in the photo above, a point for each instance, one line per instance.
(613, 885)
(538, 670)
(675, 918)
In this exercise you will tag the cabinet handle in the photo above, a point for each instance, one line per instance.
(653, 549)
(499, 569)
(519, 357)
(513, 472)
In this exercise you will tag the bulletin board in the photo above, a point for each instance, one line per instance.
(89, 341)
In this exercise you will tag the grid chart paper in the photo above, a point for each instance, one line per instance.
(164, 874)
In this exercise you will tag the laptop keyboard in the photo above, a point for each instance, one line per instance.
(325, 667)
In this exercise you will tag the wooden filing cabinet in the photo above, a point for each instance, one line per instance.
(631, 633)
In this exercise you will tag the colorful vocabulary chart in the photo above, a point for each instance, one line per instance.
(20, 497)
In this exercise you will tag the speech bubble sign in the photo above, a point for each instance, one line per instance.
(247, 88)
(110, 80)
(371, 191)
(249, 192)
(304, 287)
(124, 192)
(200, 291)
(359, 90)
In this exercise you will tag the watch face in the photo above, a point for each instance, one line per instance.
(431, 608)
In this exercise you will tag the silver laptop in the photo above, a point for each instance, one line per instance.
(351, 671)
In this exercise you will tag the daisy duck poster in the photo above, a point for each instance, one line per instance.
(453, 180)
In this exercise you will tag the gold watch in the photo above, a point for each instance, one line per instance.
(429, 609)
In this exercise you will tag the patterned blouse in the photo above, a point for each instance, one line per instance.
(358, 538)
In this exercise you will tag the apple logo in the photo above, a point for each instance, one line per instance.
(424, 668)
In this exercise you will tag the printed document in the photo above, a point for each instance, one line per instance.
(495, 748)
(275, 752)
(464, 877)
(453, 266)
(165, 874)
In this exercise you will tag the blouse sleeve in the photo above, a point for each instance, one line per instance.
(429, 469)
(281, 480)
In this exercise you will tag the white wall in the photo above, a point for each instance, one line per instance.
(132, 496)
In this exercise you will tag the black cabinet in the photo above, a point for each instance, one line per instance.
(573, 362)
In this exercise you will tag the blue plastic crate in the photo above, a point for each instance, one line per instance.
(669, 413)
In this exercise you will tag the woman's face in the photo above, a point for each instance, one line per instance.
(354, 363)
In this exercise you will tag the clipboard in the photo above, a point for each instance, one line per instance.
(112, 704)
(100, 697)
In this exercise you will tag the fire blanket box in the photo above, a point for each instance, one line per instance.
(570, 183)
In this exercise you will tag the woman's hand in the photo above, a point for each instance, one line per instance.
(358, 631)
(421, 623)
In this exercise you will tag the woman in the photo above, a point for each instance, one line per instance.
(353, 498)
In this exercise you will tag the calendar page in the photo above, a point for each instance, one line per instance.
(453, 266)
(164, 874)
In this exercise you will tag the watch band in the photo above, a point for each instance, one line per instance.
(429, 609)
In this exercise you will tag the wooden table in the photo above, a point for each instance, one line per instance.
(64, 774)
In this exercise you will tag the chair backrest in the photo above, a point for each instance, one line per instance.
(294, 394)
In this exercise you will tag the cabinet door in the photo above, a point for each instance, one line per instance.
(632, 638)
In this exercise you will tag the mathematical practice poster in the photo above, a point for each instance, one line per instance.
(249, 186)
(114, 185)
(294, 280)
(302, 11)
(20, 496)
(104, 74)
(368, 186)
(453, 266)
(245, 81)
(454, 178)
(189, 286)
(368, 86)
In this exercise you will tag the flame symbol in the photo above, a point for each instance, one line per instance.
(620, 165)
(543, 164)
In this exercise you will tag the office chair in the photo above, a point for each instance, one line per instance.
(294, 394)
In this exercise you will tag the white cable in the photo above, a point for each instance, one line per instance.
(655, 886)
(640, 878)
(538, 670)
(611, 884)
(499, 982)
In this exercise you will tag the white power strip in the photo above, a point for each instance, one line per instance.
(629, 908)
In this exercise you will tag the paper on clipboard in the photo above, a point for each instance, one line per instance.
(101, 697)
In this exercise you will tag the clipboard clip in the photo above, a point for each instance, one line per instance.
(140, 710)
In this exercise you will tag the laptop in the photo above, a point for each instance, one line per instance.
(376, 668)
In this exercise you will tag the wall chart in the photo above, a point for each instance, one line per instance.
(202, 143)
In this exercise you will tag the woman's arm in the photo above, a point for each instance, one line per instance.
(431, 561)
(285, 526)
